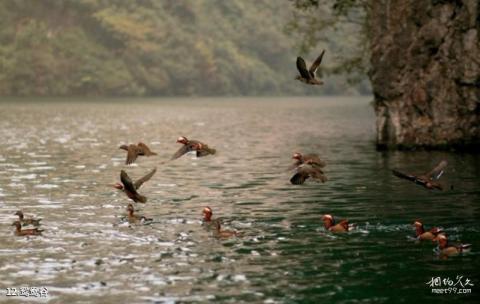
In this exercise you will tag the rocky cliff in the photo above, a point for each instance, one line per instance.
(425, 73)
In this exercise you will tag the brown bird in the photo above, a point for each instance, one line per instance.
(130, 188)
(23, 232)
(426, 180)
(133, 151)
(134, 218)
(312, 159)
(220, 233)
(330, 225)
(207, 220)
(421, 234)
(305, 171)
(448, 248)
(207, 214)
(308, 76)
(192, 145)
(27, 221)
(138, 183)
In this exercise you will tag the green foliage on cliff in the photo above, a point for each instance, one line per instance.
(342, 26)
(147, 47)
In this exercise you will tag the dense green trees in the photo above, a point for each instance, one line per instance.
(147, 47)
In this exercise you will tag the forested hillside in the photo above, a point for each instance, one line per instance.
(151, 48)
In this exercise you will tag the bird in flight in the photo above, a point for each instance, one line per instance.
(130, 188)
(192, 145)
(133, 151)
(308, 76)
(427, 180)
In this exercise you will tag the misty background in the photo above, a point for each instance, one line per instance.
(163, 48)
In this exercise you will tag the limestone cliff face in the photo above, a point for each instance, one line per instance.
(425, 74)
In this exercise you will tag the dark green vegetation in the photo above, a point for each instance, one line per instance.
(145, 48)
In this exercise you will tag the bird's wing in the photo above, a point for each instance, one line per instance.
(181, 151)
(316, 63)
(302, 68)
(314, 159)
(131, 154)
(303, 172)
(206, 150)
(127, 182)
(404, 176)
(292, 166)
(145, 149)
(315, 172)
(436, 172)
(139, 182)
(298, 178)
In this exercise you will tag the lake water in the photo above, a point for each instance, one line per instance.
(58, 160)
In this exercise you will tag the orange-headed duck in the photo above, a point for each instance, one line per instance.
(448, 248)
(305, 171)
(130, 189)
(134, 218)
(133, 151)
(309, 76)
(207, 214)
(427, 180)
(421, 234)
(23, 232)
(192, 145)
(329, 224)
(207, 220)
(27, 221)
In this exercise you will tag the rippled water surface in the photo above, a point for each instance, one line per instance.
(58, 160)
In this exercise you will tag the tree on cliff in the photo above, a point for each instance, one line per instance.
(424, 64)
(148, 48)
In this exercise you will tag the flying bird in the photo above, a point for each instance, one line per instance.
(192, 145)
(133, 151)
(308, 76)
(427, 180)
(304, 171)
(139, 182)
(130, 188)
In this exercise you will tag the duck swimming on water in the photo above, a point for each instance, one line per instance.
(421, 234)
(134, 218)
(330, 225)
(449, 248)
(24, 232)
(220, 233)
(27, 221)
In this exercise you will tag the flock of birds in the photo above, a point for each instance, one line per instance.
(305, 166)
